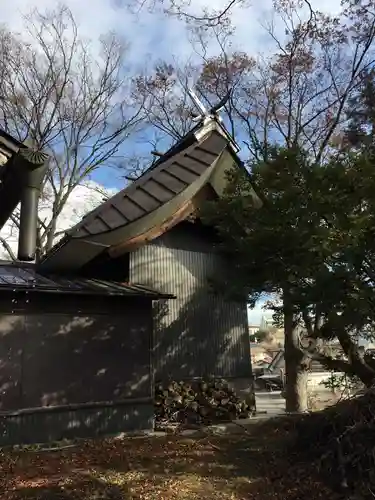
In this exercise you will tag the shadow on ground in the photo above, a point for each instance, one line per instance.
(235, 467)
(77, 489)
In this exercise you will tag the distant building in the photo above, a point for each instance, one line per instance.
(253, 329)
(266, 323)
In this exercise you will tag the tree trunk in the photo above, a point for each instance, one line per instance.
(51, 231)
(296, 363)
(296, 387)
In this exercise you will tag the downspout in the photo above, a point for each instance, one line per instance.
(33, 172)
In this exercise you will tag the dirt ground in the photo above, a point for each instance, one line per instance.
(232, 467)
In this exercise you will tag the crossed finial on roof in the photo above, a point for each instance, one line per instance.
(203, 111)
(204, 114)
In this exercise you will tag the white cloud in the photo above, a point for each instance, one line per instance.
(146, 33)
(255, 38)
(155, 35)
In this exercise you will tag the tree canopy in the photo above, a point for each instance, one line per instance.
(311, 244)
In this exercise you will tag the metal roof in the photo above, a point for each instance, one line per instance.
(183, 164)
(17, 278)
(155, 187)
(170, 182)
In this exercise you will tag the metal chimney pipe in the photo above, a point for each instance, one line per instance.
(28, 224)
(35, 168)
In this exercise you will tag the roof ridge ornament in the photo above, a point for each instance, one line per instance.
(203, 111)
(209, 116)
(213, 112)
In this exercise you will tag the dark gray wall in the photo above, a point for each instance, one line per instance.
(53, 366)
(199, 334)
(72, 423)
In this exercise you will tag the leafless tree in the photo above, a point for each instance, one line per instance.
(313, 73)
(295, 96)
(69, 97)
(167, 106)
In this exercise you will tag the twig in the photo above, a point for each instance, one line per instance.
(8, 249)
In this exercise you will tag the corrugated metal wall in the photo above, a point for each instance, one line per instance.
(74, 375)
(198, 334)
(44, 427)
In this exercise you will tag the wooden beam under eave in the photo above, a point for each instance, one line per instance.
(182, 213)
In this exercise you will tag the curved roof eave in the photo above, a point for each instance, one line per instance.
(154, 202)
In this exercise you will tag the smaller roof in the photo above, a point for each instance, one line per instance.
(24, 278)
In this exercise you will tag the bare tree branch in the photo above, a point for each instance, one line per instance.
(8, 249)
(164, 99)
(201, 16)
(60, 96)
(184, 10)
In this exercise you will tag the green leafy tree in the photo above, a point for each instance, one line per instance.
(311, 246)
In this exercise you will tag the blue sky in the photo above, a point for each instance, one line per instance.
(255, 315)
(155, 37)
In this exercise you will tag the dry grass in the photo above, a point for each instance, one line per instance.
(235, 467)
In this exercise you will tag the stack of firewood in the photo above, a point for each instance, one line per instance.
(203, 402)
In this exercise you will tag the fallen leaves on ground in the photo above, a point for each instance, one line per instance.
(233, 467)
